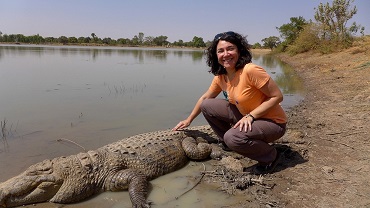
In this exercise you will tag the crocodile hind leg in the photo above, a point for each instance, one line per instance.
(134, 181)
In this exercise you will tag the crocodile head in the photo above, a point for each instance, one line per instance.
(23, 189)
(12, 196)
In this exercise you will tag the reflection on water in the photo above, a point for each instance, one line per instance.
(94, 53)
(96, 95)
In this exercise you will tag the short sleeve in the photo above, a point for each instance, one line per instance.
(216, 84)
(257, 76)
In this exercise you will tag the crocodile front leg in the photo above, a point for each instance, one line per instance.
(134, 181)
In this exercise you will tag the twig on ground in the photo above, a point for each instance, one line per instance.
(202, 173)
(4, 132)
(339, 143)
(63, 139)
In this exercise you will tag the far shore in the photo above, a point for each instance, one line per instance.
(256, 51)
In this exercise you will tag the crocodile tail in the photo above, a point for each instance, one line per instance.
(196, 151)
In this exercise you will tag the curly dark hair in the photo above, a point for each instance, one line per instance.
(241, 43)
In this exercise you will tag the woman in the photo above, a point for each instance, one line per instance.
(251, 116)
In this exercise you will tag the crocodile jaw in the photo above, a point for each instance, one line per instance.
(41, 193)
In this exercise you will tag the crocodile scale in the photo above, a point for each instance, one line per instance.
(127, 164)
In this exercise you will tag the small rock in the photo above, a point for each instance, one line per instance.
(327, 169)
(232, 164)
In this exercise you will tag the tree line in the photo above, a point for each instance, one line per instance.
(93, 39)
(329, 32)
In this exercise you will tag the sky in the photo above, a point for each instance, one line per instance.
(176, 19)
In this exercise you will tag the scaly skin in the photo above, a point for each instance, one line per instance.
(124, 165)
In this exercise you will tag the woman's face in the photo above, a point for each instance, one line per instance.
(227, 54)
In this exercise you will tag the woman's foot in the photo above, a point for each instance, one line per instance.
(224, 146)
(261, 169)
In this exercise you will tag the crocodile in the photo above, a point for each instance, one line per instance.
(128, 164)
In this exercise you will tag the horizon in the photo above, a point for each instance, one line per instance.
(177, 20)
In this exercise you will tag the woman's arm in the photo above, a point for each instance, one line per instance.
(274, 97)
(196, 110)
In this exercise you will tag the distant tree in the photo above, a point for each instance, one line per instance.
(95, 38)
(135, 40)
(160, 40)
(257, 45)
(83, 40)
(63, 40)
(141, 38)
(4, 38)
(271, 42)
(36, 39)
(179, 43)
(198, 42)
(19, 38)
(72, 40)
(290, 31)
(50, 40)
(334, 19)
(149, 40)
(109, 41)
(123, 41)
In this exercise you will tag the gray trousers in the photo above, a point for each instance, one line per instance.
(222, 115)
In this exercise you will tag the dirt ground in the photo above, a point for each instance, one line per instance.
(326, 150)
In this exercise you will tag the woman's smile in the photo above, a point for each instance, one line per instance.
(227, 54)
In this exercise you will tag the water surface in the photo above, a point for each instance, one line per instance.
(93, 96)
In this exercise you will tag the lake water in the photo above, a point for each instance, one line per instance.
(96, 95)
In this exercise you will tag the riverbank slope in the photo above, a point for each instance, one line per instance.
(331, 131)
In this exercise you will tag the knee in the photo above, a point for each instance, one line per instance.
(205, 105)
(230, 138)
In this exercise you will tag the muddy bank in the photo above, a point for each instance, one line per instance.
(326, 150)
(330, 129)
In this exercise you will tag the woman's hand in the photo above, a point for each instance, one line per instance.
(245, 123)
(181, 125)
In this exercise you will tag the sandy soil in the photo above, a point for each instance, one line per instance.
(326, 151)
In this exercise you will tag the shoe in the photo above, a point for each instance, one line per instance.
(224, 147)
(260, 169)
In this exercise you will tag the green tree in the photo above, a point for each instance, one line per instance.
(72, 40)
(141, 38)
(63, 40)
(334, 19)
(109, 41)
(123, 41)
(4, 38)
(257, 45)
(271, 42)
(95, 38)
(198, 42)
(37, 39)
(135, 40)
(290, 31)
(149, 41)
(160, 40)
(18, 38)
(50, 40)
(179, 43)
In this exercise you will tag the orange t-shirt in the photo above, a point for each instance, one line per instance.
(243, 91)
